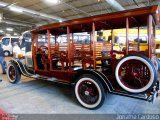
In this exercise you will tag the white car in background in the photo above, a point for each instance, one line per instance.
(7, 44)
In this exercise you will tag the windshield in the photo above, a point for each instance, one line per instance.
(25, 41)
(27, 36)
(5, 41)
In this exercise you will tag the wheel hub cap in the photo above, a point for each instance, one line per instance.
(86, 93)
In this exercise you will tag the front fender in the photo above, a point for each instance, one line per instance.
(101, 77)
(18, 64)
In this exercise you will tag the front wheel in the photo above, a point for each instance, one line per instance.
(13, 73)
(89, 91)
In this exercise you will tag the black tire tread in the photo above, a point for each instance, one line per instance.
(18, 74)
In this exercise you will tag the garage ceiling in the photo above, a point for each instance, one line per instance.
(40, 12)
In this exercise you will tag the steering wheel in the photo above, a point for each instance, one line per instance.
(44, 49)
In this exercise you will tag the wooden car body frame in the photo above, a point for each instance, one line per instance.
(67, 73)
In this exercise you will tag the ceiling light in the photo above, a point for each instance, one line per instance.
(15, 34)
(2, 4)
(52, 1)
(157, 11)
(1, 31)
(60, 21)
(9, 29)
(8, 34)
(1, 17)
(15, 9)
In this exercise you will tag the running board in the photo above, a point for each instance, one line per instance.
(52, 79)
(151, 98)
(37, 76)
(137, 96)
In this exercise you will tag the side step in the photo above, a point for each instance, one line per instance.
(26, 73)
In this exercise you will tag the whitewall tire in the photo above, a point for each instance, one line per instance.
(89, 91)
(13, 73)
(135, 74)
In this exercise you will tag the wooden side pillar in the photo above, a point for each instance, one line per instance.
(138, 45)
(49, 49)
(112, 39)
(127, 32)
(55, 39)
(149, 35)
(68, 38)
(34, 50)
(36, 40)
(94, 42)
(73, 38)
(154, 31)
(73, 49)
(91, 41)
(154, 36)
(49, 45)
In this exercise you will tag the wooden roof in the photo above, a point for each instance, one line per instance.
(137, 17)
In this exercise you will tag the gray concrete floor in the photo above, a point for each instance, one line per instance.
(44, 97)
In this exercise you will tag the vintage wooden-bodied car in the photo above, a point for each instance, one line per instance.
(133, 74)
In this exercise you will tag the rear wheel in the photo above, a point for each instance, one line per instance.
(89, 91)
(13, 73)
(135, 74)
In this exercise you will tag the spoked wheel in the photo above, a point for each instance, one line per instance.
(89, 92)
(13, 73)
(135, 74)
